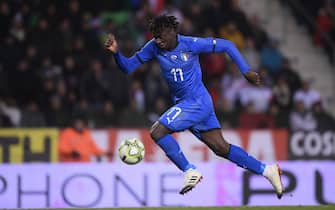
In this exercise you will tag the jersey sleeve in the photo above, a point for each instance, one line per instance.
(213, 45)
(128, 65)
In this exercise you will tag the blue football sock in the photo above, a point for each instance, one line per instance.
(174, 153)
(244, 160)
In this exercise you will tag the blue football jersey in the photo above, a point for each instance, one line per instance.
(180, 67)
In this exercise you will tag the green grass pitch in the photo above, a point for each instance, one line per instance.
(325, 207)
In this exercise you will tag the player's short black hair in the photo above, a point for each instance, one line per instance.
(161, 22)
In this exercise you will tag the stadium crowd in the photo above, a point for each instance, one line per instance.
(320, 22)
(54, 66)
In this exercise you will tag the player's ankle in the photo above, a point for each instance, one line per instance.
(266, 170)
(190, 166)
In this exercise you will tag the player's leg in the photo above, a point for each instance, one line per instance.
(178, 118)
(214, 140)
(161, 135)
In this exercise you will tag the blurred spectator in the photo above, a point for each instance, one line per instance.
(302, 119)
(43, 36)
(132, 117)
(144, 14)
(282, 95)
(194, 13)
(84, 108)
(56, 116)
(32, 117)
(258, 33)
(307, 95)
(106, 117)
(186, 27)
(231, 32)
(159, 108)
(76, 143)
(324, 26)
(239, 17)
(215, 90)
(226, 116)
(250, 119)
(322, 29)
(155, 85)
(47, 90)
(65, 35)
(23, 82)
(171, 9)
(259, 97)
(290, 75)
(73, 12)
(272, 58)
(213, 12)
(95, 84)
(213, 66)
(280, 117)
(137, 94)
(11, 112)
(5, 18)
(49, 70)
(32, 56)
(79, 53)
(61, 92)
(119, 87)
(251, 54)
(324, 120)
(231, 85)
(71, 73)
(17, 30)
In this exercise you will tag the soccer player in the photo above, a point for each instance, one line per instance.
(178, 57)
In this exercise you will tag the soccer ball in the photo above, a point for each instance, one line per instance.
(131, 151)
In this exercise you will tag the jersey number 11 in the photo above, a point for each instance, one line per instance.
(177, 72)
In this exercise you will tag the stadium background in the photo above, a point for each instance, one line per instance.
(54, 68)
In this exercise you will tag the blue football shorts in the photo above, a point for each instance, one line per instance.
(195, 113)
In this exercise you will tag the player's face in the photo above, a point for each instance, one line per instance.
(166, 39)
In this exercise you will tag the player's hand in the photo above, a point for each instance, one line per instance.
(253, 77)
(111, 43)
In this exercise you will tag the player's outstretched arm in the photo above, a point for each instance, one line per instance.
(127, 65)
(229, 47)
(123, 62)
(217, 45)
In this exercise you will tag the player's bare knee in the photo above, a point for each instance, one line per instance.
(156, 132)
(153, 132)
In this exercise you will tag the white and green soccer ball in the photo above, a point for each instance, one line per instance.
(131, 151)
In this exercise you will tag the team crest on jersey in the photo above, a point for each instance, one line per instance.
(184, 56)
(173, 57)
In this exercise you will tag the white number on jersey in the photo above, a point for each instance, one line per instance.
(175, 111)
(177, 72)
